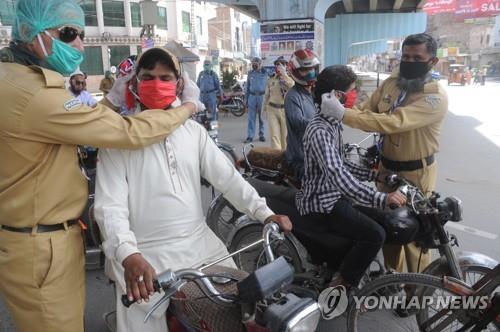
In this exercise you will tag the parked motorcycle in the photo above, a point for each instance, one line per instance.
(233, 102)
(216, 298)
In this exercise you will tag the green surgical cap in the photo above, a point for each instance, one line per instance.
(35, 16)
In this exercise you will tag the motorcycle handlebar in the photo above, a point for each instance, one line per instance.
(412, 192)
(170, 279)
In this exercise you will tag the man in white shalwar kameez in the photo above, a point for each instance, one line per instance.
(148, 202)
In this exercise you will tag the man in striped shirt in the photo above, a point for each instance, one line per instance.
(332, 184)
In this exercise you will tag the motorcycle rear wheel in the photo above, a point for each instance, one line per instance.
(222, 218)
(254, 258)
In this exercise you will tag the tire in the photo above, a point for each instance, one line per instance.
(240, 109)
(229, 152)
(222, 218)
(93, 228)
(471, 274)
(385, 320)
(254, 258)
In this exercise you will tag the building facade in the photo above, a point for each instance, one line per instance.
(230, 39)
(113, 30)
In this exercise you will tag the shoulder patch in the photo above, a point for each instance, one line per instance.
(72, 104)
(434, 101)
(387, 99)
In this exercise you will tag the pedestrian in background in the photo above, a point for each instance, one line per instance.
(254, 92)
(77, 87)
(274, 103)
(210, 90)
(42, 188)
(107, 82)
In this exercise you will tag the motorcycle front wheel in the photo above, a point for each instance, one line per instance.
(239, 110)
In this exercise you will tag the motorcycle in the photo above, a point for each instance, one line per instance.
(315, 260)
(233, 102)
(216, 298)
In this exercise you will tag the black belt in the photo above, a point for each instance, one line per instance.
(401, 166)
(40, 228)
(276, 105)
(206, 92)
(257, 93)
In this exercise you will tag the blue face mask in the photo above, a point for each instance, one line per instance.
(64, 59)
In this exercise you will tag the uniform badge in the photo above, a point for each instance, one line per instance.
(72, 104)
(387, 99)
(433, 101)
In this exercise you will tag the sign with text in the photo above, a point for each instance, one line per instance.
(282, 38)
(464, 8)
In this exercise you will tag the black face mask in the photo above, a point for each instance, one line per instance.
(255, 67)
(412, 70)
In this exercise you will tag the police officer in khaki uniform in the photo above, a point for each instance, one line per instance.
(407, 110)
(42, 188)
(274, 103)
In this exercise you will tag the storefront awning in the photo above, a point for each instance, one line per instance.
(182, 53)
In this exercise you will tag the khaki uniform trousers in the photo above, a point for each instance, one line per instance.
(42, 279)
(277, 127)
(396, 255)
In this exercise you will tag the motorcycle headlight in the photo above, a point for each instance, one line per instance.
(292, 314)
(454, 207)
(214, 125)
(306, 320)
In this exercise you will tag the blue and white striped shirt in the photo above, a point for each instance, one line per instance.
(328, 175)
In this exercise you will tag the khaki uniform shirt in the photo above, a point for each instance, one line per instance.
(41, 124)
(106, 85)
(276, 91)
(412, 129)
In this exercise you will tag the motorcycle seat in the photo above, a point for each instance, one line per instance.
(269, 158)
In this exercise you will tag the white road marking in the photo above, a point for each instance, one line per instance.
(472, 230)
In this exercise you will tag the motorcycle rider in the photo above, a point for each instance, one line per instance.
(299, 106)
(332, 184)
(42, 189)
(148, 202)
(274, 99)
(254, 92)
(210, 89)
(408, 110)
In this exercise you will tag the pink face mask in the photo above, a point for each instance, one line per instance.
(157, 94)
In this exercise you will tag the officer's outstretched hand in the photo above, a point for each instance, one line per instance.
(139, 276)
(331, 106)
(191, 93)
(283, 222)
(116, 95)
